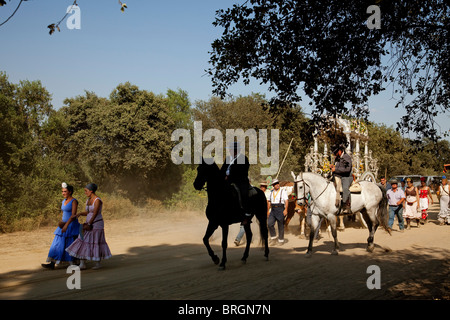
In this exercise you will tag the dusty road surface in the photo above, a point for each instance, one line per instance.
(163, 257)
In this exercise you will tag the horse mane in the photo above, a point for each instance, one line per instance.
(315, 176)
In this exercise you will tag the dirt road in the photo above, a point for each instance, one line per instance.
(163, 257)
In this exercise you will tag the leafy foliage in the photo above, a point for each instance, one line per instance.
(123, 144)
(120, 142)
(324, 49)
(254, 112)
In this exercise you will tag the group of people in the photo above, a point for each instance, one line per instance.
(443, 194)
(410, 203)
(277, 198)
(74, 242)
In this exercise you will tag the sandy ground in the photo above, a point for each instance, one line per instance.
(163, 257)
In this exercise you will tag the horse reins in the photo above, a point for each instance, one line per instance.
(304, 193)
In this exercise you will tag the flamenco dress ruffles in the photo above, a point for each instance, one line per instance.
(423, 198)
(92, 244)
(62, 240)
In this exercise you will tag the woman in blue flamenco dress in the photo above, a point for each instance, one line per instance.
(67, 231)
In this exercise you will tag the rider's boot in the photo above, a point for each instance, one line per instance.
(346, 208)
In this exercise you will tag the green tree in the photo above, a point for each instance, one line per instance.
(295, 126)
(30, 170)
(180, 108)
(325, 50)
(254, 112)
(390, 149)
(121, 143)
(23, 109)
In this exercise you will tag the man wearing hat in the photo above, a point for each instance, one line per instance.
(235, 169)
(396, 197)
(279, 203)
(342, 169)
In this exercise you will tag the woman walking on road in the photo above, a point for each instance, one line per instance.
(424, 198)
(444, 197)
(92, 245)
(66, 232)
(412, 200)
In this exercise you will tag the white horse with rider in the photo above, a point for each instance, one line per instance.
(371, 202)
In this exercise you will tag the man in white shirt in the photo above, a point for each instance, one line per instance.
(396, 197)
(278, 202)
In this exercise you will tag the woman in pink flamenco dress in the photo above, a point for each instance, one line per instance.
(91, 244)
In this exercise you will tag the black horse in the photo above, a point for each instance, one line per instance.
(223, 210)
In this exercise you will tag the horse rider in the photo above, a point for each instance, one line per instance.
(342, 169)
(235, 170)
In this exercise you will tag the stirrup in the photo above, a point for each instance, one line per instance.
(349, 208)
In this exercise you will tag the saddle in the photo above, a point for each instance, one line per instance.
(237, 195)
(252, 191)
(355, 187)
(238, 201)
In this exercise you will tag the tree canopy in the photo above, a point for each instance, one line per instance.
(325, 50)
(123, 143)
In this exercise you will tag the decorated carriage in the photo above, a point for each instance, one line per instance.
(355, 133)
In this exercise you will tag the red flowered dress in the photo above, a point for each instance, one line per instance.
(423, 198)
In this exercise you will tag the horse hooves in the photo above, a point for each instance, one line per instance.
(244, 261)
(370, 248)
(335, 252)
(221, 268)
(216, 260)
(308, 255)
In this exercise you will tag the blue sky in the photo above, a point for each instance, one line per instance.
(156, 45)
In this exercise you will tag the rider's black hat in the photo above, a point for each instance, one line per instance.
(338, 147)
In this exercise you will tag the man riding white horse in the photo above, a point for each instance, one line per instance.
(342, 169)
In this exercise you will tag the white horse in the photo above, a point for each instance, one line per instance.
(371, 202)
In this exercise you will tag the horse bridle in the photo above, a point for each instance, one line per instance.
(304, 192)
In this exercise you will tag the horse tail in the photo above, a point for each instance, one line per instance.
(382, 212)
(261, 215)
(263, 230)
